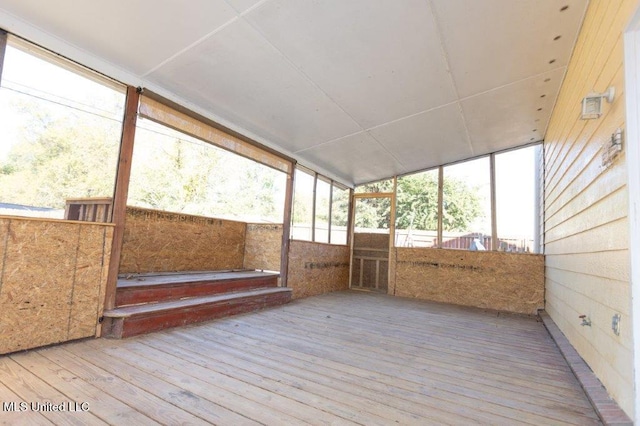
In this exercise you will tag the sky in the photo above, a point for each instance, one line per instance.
(26, 73)
(515, 190)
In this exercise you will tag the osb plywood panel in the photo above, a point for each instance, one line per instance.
(316, 268)
(491, 280)
(262, 247)
(370, 240)
(586, 204)
(38, 271)
(92, 264)
(157, 241)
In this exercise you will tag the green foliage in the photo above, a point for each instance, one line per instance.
(461, 205)
(191, 176)
(340, 208)
(64, 154)
(60, 158)
(417, 204)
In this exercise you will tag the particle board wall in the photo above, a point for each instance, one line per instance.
(262, 247)
(317, 268)
(586, 226)
(158, 241)
(484, 279)
(52, 280)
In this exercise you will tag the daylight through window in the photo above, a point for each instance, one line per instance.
(331, 202)
(175, 172)
(60, 127)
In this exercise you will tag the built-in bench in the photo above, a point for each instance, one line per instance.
(156, 301)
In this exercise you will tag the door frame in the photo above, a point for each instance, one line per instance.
(392, 232)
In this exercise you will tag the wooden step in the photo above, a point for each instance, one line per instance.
(146, 288)
(139, 319)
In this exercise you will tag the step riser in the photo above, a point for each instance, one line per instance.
(160, 293)
(155, 321)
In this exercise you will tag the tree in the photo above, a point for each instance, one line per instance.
(59, 156)
(417, 204)
(175, 172)
(461, 205)
(62, 153)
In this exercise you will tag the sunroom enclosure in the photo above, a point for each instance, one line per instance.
(59, 275)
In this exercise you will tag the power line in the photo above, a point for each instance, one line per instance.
(44, 92)
(61, 104)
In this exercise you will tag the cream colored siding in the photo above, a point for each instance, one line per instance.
(585, 205)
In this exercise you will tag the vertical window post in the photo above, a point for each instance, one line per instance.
(3, 46)
(538, 232)
(350, 218)
(494, 223)
(440, 201)
(286, 226)
(313, 207)
(121, 192)
(330, 212)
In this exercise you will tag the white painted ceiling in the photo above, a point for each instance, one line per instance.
(358, 89)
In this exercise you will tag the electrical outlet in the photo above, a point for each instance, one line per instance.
(615, 324)
(612, 148)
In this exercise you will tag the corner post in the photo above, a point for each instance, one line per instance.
(123, 176)
(286, 226)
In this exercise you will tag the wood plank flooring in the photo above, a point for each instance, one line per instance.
(343, 358)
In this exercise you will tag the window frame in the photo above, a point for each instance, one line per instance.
(314, 202)
(538, 194)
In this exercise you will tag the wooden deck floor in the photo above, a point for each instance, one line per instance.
(341, 358)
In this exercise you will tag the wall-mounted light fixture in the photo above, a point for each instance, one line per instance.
(592, 103)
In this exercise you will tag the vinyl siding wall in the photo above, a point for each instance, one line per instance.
(585, 205)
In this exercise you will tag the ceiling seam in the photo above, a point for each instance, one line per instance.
(378, 126)
(192, 45)
(317, 87)
(448, 104)
(328, 142)
(445, 57)
(250, 9)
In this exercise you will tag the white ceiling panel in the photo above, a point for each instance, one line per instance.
(380, 60)
(373, 161)
(507, 117)
(243, 5)
(137, 35)
(241, 77)
(427, 139)
(491, 43)
(361, 89)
